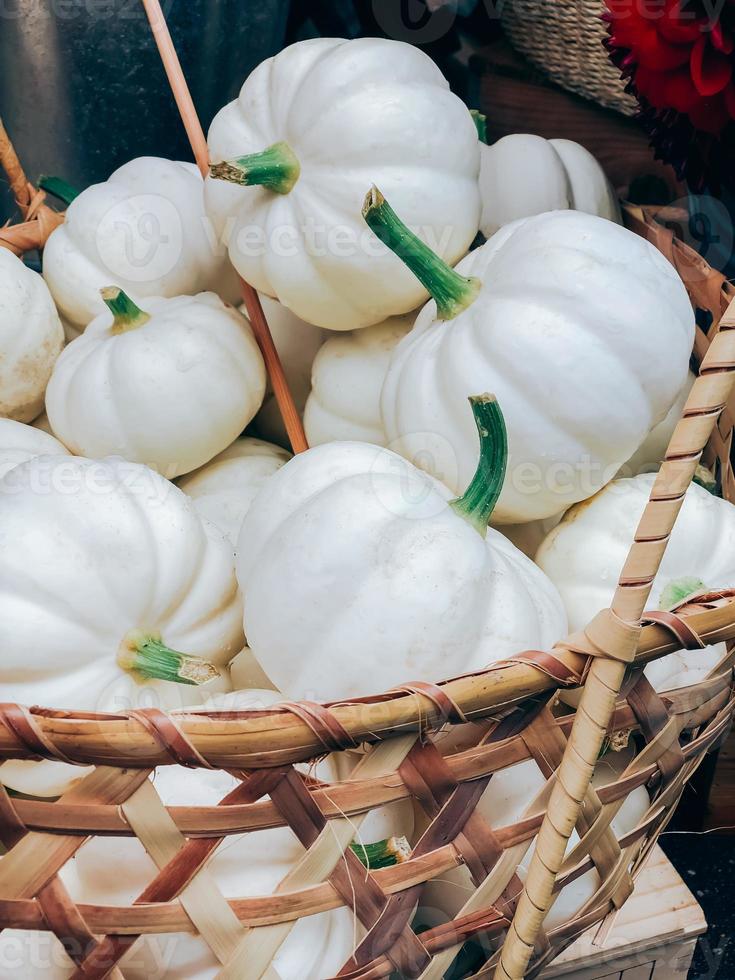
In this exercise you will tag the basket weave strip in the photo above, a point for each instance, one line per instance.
(563, 38)
(39, 219)
(613, 636)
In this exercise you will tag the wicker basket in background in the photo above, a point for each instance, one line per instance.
(563, 38)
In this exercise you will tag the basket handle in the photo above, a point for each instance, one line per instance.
(612, 638)
(198, 141)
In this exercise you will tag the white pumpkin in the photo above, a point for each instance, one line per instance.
(143, 228)
(359, 573)
(297, 343)
(113, 871)
(346, 382)
(522, 175)
(31, 338)
(169, 387)
(647, 458)
(581, 328)
(585, 554)
(102, 564)
(509, 793)
(311, 129)
(224, 488)
(19, 442)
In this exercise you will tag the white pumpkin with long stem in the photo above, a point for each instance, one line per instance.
(522, 175)
(585, 554)
(291, 156)
(143, 228)
(346, 381)
(225, 487)
(297, 343)
(169, 386)
(115, 870)
(31, 338)
(383, 577)
(510, 792)
(114, 594)
(582, 329)
(19, 443)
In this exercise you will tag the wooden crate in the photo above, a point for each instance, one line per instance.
(651, 938)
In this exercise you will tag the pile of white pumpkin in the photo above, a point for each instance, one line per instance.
(366, 561)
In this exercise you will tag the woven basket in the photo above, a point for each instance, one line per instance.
(563, 38)
(489, 720)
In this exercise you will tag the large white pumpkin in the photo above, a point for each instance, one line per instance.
(581, 328)
(170, 386)
(19, 442)
(102, 563)
(522, 175)
(359, 573)
(346, 382)
(145, 229)
(585, 554)
(297, 343)
(310, 131)
(223, 490)
(31, 338)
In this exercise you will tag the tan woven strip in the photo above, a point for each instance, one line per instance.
(201, 898)
(330, 732)
(18, 720)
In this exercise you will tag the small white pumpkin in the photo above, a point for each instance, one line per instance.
(169, 387)
(346, 381)
(581, 328)
(585, 554)
(143, 228)
(311, 128)
(113, 871)
(104, 567)
(31, 338)
(297, 343)
(19, 442)
(224, 488)
(522, 175)
(382, 578)
(508, 795)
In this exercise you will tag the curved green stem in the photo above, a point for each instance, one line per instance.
(145, 654)
(59, 188)
(480, 122)
(383, 853)
(126, 315)
(479, 499)
(451, 292)
(277, 168)
(674, 593)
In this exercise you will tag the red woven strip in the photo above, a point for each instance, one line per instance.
(652, 716)
(170, 737)
(21, 723)
(449, 710)
(323, 724)
(689, 638)
(546, 662)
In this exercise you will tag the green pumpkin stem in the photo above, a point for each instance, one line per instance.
(383, 853)
(675, 592)
(59, 188)
(480, 122)
(479, 499)
(146, 655)
(276, 168)
(126, 315)
(451, 292)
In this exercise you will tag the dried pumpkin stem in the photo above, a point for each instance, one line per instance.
(276, 168)
(479, 499)
(146, 655)
(451, 292)
(126, 315)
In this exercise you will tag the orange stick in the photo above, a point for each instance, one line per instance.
(197, 139)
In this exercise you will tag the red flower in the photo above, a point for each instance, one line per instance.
(677, 56)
